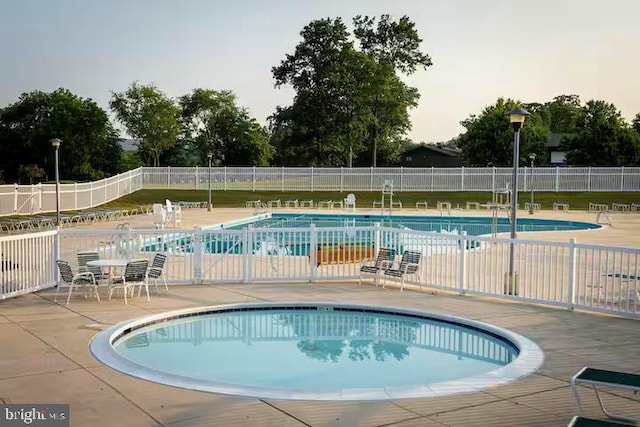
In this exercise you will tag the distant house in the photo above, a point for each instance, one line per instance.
(557, 157)
(431, 155)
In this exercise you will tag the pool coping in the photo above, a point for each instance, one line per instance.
(530, 358)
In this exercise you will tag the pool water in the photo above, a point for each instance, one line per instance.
(317, 348)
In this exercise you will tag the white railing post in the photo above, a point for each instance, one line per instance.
(525, 184)
(254, 178)
(197, 255)
(463, 264)
(282, 188)
(572, 273)
(197, 178)
(341, 179)
(377, 238)
(75, 194)
(225, 178)
(557, 179)
(39, 197)
(247, 254)
(104, 185)
(622, 178)
(401, 178)
(589, 179)
(432, 178)
(462, 178)
(15, 197)
(493, 179)
(371, 178)
(91, 193)
(313, 253)
(312, 179)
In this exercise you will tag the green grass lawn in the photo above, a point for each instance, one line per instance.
(579, 201)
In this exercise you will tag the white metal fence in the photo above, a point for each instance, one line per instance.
(566, 274)
(40, 198)
(404, 179)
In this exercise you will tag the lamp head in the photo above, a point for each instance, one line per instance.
(533, 156)
(55, 143)
(517, 116)
(209, 155)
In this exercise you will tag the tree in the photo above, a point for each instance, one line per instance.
(488, 140)
(602, 138)
(90, 148)
(212, 121)
(348, 102)
(149, 116)
(563, 113)
(636, 123)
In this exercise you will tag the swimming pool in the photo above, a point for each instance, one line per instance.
(289, 234)
(316, 351)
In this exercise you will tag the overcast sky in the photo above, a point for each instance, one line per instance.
(481, 50)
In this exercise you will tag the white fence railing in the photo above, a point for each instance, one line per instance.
(32, 199)
(567, 274)
(404, 179)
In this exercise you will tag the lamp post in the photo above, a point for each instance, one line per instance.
(55, 143)
(516, 117)
(209, 156)
(532, 157)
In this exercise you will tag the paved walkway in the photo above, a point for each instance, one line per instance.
(44, 358)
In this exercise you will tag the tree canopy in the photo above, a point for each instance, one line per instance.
(149, 116)
(89, 150)
(350, 105)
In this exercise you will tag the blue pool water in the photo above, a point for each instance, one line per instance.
(273, 350)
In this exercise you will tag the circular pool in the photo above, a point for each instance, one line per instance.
(316, 351)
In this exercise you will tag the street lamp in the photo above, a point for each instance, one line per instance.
(55, 143)
(532, 157)
(516, 117)
(209, 156)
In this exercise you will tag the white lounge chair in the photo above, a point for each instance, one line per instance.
(174, 214)
(159, 216)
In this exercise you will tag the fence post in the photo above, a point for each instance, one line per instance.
(247, 253)
(225, 178)
(104, 184)
(341, 179)
(371, 179)
(91, 193)
(254, 178)
(462, 178)
(282, 188)
(312, 179)
(622, 178)
(75, 194)
(432, 170)
(197, 178)
(401, 178)
(313, 253)
(525, 184)
(557, 179)
(130, 181)
(197, 255)
(589, 179)
(15, 197)
(572, 273)
(463, 264)
(168, 176)
(493, 179)
(39, 197)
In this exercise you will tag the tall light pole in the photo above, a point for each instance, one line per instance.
(209, 156)
(532, 157)
(516, 117)
(55, 143)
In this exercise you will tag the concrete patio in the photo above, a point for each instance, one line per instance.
(44, 357)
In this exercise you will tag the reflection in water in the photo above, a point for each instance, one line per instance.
(329, 336)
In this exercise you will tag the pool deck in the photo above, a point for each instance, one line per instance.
(44, 355)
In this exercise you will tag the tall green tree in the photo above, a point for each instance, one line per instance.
(348, 101)
(149, 116)
(488, 140)
(563, 113)
(213, 121)
(90, 148)
(602, 137)
(636, 123)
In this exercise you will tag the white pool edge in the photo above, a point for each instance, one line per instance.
(529, 359)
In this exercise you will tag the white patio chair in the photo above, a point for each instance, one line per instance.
(350, 202)
(159, 216)
(174, 214)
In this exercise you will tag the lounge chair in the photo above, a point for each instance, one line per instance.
(159, 216)
(409, 264)
(604, 378)
(174, 214)
(374, 266)
(75, 281)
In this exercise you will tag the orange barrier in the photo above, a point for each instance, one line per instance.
(342, 254)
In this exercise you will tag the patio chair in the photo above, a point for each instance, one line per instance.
(135, 274)
(604, 378)
(159, 216)
(86, 256)
(75, 281)
(174, 213)
(409, 264)
(373, 266)
(350, 202)
(155, 271)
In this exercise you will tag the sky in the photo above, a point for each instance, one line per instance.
(481, 50)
